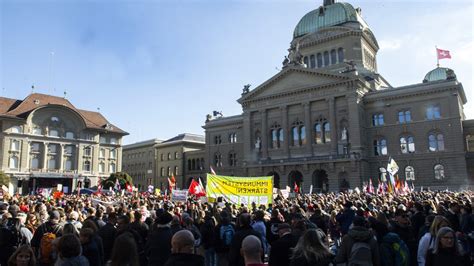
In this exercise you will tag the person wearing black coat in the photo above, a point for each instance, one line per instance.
(158, 247)
(244, 229)
(107, 233)
(446, 250)
(182, 246)
(282, 248)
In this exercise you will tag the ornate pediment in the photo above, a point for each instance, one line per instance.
(293, 80)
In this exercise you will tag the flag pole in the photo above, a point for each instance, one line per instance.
(437, 57)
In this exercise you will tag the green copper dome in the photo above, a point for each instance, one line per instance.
(326, 16)
(439, 73)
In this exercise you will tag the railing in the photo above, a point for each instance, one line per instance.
(300, 159)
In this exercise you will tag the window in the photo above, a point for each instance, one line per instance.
(68, 150)
(305, 61)
(333, 56)
(281, 137)
(34, 163)
(377, 120)
(162, 157)
(54, 119)
(37, 131)
(232, 137)
(35, 147)
(176, 170)
(16, 129)
(218, 159)
(470, 142)
(169, 171)
(217, 139)
(15, 145)
(52, 149)
(407, 144)
(318, 134)
(382, 174)
(433, 112)
(101, 167)
(326, 58)
(102, 153)
(113, 154)
(312, 61)
(113, 141)
(112, 168)
(69, 135)
(189, 165)
(436, 142)
(404, 117)
(102, 140)
(302, 130)
(409, 173)
(88, 136)
(439, 172)
(295, 134)
(276, 134)
(327, 132)
(53, 133)
(320, 60)
(14, 162)
(232, 159)
(52, 163)
(176, 155)
(380, 147)
(169, 156)
(162, 171)
(87, 151)
(340, 55)
(68, 164)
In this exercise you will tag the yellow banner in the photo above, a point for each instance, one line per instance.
(240, 190)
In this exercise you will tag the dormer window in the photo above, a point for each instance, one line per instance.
(55, 119)
(321, 11)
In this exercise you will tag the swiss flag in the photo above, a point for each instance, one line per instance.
(129, 187)
(296, 188)
(196, 189)
(442, 54)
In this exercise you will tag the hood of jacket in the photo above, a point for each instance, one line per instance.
(391, 238)
(359, 233)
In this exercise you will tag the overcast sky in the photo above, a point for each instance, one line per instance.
(156, 68)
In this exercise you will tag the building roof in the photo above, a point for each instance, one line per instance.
(22, 108)
(186, 137)
(327, 16)
(141, 144)
(439, 73)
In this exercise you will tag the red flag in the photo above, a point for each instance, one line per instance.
(442, 54)
(296, 188)
(196, 189)
(129, 187)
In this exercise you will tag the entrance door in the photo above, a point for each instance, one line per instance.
(276, 179)
(295, 180)
(320, 181)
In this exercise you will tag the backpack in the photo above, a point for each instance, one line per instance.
(398, 250)
(361, 254)
(46, 255)
(10, 236)
(227, 234)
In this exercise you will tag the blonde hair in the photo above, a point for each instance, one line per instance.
(438, 222)
(312, 245)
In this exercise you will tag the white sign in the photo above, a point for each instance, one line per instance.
(179, 195)
(311, 190)
(59, 187)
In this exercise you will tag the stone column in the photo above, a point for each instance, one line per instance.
(264, 134)
(354, 124)
(286, 130)
(308, 127)
(61, 157)
(24, 155)
(45, 156)
(333, 122)
(247, 132)
(79, 159)
(118, 160)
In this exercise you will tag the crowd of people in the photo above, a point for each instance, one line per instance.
(349, 228)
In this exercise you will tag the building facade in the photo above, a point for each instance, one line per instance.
(330, 120)
(46, 141)
(139, 161)
(172, 159)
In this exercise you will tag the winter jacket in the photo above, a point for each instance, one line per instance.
(447, 257)
(426, 242)
(158, 247)
(302, 261)
(185, 259)
(357, 234)
(235, 258)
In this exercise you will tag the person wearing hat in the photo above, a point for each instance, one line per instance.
(281, 250)
(158, 246)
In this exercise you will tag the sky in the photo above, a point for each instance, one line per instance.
(156, 68)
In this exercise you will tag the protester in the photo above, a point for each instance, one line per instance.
(158, 247)
(429, 239)
(23, 256)
(243, 230)
(252, 251)
(282, 248)
(69, 252)
(124, 252)
(446, 250)
(182, 247)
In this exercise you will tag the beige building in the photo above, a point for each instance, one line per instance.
(172, 156)
(330, 120)
(139, 161)
(46, 141)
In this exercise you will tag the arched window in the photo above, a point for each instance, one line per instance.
(340, 55)
(102, 153)
(407, 144)
(295, 136)
(218, 159)
(169, 156)
(113, 154)
(409, 173)
(380, 147)
(383, 174)
(319, 58)
(318, 134)
(439, 172)
(327, 132)
(274, 137)
(312, 61)
(333, 56)
(14, 162)
(87, 151)
(302, 135)
(87, 166)
(281, 137)
(326, 58)
(15, 145)
(176, 172)
(101, 167)
(169, 171)
(176, 155)
(232, 159)
(436, 142)
(162, 171)
(193, 164)
(305, 61)
(433, 112)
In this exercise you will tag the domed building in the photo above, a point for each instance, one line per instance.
(330, 120)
